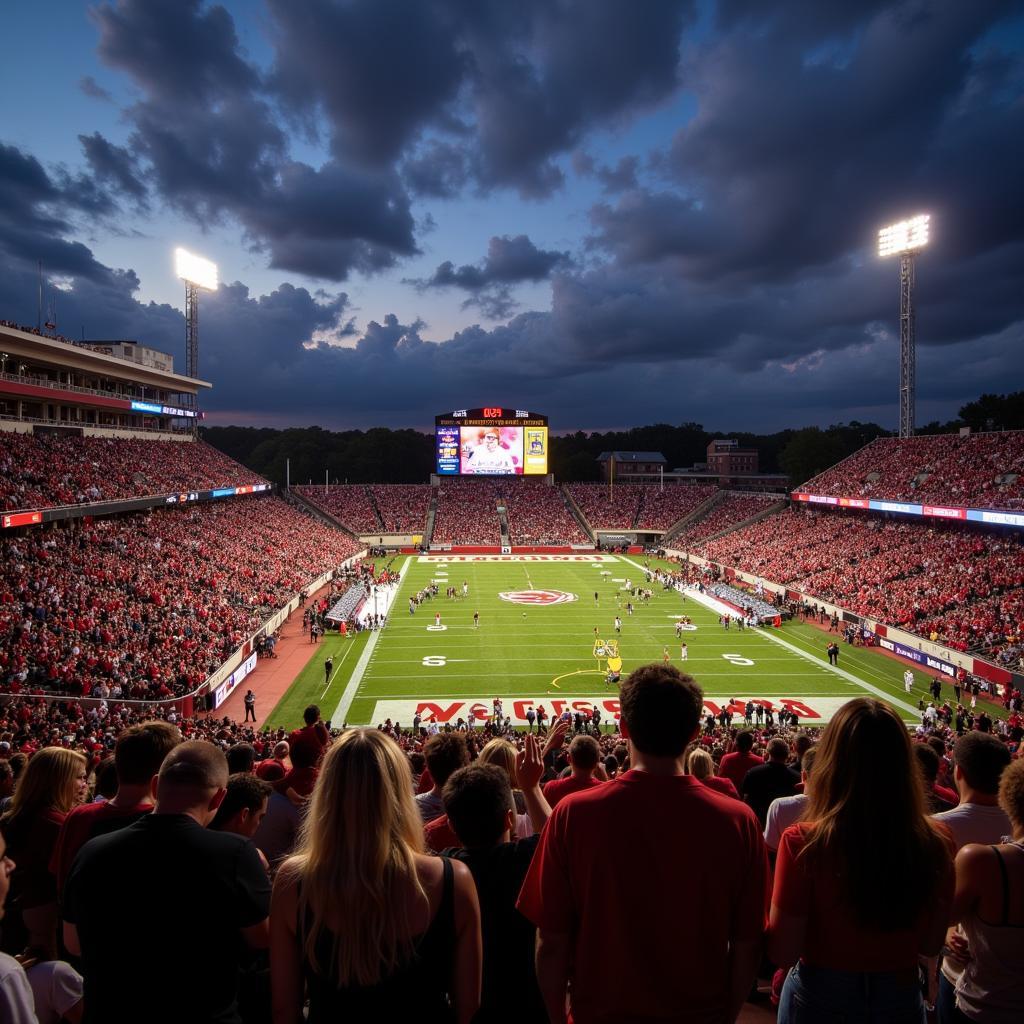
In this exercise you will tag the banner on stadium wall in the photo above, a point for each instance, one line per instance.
(910, 508)
(448, 710)
(928, 660)
(225, 689)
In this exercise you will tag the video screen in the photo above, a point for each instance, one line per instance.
(491, 442)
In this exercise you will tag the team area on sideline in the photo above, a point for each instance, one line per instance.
(524, 628)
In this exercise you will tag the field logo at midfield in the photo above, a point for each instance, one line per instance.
(537, 596)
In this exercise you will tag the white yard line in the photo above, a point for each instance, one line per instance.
(349, 694)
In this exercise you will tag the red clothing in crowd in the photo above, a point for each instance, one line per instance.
(662, 928)
(951, 796)
(835, 939)
(721, 785)
(312, 739)
(439, 835)
(301, 780)
(84, 823)
(735, 766)
(558, 789)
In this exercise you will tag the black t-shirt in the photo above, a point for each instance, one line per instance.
(158, 907)
(510, 994)
(765, 783)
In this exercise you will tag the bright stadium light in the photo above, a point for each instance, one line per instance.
(905, 239)
(906, 236)
(199, 271)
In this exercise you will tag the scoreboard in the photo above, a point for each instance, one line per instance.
(491, 441)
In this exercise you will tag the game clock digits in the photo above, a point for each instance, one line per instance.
(491, 441)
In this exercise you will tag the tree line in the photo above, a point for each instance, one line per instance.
(383, 455)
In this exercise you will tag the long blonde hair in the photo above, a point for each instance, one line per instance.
(356, 859)
(49, 782)
(868, 820)
(700, 764)
(503, 754)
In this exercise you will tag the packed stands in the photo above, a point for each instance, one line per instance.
(537, 514)
(959, 587)
(661, 507)
(467, 512)
(735, 509)
(350, 504)
(403, 507)
(145, 606)
(975, 471)
(40, 472)
(637, 506)
(608, 508)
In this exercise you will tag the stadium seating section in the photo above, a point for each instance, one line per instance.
(726, 515)
(961, 587)
(467, 512)
(148, 604)
(637, 506)
(538, 514)
(976, 471)
(40, 472)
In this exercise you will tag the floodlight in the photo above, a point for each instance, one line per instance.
(198, 271)
(906, 236)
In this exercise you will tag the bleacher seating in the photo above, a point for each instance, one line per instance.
(40, 472)
(976, 470)
(403, 507)
(608, 508)
(467, 512)
(350, 504)
(724, 516)
(661, 507)
(963, 587)
(149, 604)
(537, 514)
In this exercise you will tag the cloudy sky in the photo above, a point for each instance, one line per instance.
(613, 211)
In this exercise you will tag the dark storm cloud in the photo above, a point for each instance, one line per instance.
(113, 164)
(510, 260)
(90, 87)
(211, 144)
(514, 86)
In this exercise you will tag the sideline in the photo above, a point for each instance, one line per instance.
(765, 632)
(349, 694)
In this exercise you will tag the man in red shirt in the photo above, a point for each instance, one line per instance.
(673, 930)
(735, 766)
(313, 739)
(139, 752)
(584, 754)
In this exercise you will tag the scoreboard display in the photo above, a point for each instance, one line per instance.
(492, 441)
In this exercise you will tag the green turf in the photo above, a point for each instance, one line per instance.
(545, 653)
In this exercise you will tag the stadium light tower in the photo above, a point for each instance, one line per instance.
(197, 273)
(906, 239)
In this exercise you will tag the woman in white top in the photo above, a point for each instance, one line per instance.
(989, 911)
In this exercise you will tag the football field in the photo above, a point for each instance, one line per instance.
(534, 645)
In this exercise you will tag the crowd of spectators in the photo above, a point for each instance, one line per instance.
(350, 504)
(960, 587)
(538, 514)
(974, 470)
(403, 507)
(145, 606)
(467, 512)
(660, 507)
(517, 820)
(725, 516)
(38, 471)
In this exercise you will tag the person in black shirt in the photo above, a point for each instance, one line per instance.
(480, 808)
(767, 782)
(155, 910)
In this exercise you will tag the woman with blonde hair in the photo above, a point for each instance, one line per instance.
(701, 765)
(54, 781)
(864, 883)
(360, 917)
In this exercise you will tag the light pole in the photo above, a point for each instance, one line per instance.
(197, 273)
(906, 239)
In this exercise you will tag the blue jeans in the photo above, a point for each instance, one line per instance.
(945, 1005)
(817, 995)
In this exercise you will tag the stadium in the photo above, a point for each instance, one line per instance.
(324, 699)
